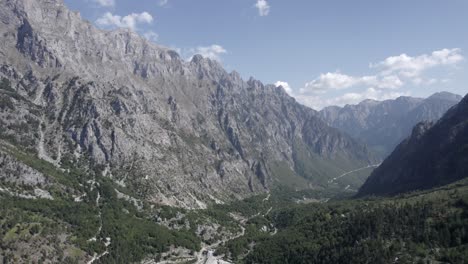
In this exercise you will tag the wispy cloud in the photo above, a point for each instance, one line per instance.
(105, 3)
(151, 36)
(263, 7)
(163, 2)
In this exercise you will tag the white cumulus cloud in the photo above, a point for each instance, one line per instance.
(130, 21)
(392, 73)
(263, 7)
(213, 52)
(337, 81)
(317, 102)
(329, 80)
(388, 78)
(285, 86)
(151, 36)
(414, 66)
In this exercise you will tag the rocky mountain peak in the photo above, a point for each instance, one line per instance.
(235, 75)
(254, 83)
(44, 14)
(206, 67)
(54, 37)
(197, 59)
(170, 131)
(369, 102)
(446, 96)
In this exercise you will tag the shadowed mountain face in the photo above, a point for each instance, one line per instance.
(174, 132)
(435, 154)
(382, 125)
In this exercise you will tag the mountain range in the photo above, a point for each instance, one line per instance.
(435, 154)
(114, 149)
(382, 125)
(170, 131)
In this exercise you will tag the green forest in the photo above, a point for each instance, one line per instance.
(429, 227)
(284, 226)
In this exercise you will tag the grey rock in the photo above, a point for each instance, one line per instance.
(173, 132)
(16, 172)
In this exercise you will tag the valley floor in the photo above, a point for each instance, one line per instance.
(77, 217)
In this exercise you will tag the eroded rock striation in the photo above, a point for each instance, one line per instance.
(176, 132)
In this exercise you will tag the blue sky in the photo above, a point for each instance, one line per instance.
(324, 52)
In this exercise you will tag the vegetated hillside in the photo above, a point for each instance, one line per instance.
(174, 132)
(424, 227)
(50, 215)
(383, 125)
(435, 154)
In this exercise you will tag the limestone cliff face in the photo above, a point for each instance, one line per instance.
(175, 132)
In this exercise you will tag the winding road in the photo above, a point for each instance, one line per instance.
(356, 170)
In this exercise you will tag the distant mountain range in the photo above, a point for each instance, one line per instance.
(384, 124)
(435, 154)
